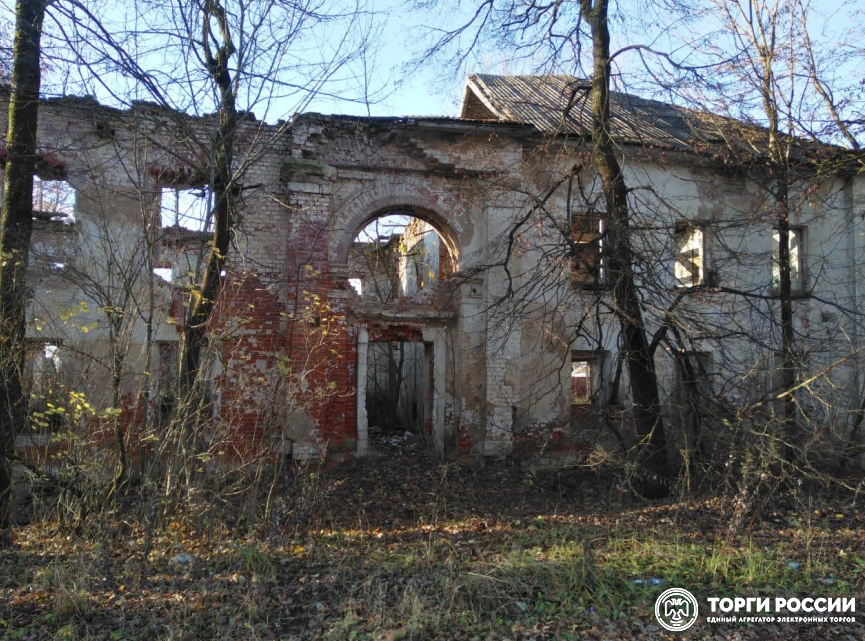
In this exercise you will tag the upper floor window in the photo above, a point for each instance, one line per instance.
(185, 207)
(796, 237)
(53, 197)
(690, 249)
(587, 264)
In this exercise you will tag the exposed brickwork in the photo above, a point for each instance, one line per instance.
(288, 329)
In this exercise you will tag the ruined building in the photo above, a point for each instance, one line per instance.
(495, 294)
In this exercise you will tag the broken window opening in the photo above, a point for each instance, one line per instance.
(185, 207)
(53, 199)
(586, 376)
(796, 244)
(689, 267)
(582, 392)
(397, 256)
(587, 253)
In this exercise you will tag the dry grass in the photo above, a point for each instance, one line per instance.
(410, 550)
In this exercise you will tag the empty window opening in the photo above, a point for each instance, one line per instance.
(165, 273)
(397, 256)
(689, 264)
(187, 207)
(796, 245)
(581, 381)
(53, 199)
(586, 376)
(587, 247)
(398, 391)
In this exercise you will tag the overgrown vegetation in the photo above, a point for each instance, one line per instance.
(151, 513)
(407, 549)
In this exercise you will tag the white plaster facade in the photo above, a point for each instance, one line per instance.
(501, 362)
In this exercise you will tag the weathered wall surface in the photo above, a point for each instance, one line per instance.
(292, 338)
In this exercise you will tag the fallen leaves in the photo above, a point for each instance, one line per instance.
(404, 548)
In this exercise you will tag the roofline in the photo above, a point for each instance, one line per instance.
(471, 83)
(427, 122)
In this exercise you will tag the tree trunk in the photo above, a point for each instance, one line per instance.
(189, 409)
(16, 226)
(788, 339)
(779, 155)
(652, 454)
(204, 297)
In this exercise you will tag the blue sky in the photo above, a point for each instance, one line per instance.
(407, 95)
(430, 90)
(413, 95)
(434, 91)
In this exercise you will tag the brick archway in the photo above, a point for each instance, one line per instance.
(407, 197)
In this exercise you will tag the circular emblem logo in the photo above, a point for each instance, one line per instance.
(676, 609)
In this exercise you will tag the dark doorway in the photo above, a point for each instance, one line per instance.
(399, 388)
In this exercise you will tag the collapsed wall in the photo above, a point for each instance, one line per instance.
(534, 372)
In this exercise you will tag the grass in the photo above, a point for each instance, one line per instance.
(468, 564)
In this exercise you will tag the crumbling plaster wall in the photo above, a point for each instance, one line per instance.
(117, 162)
(738, 222)
(311, 187)
(80, 264)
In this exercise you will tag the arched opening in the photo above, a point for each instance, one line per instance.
(397, 256)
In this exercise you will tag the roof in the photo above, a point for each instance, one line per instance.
(560, 104)
(416, 121)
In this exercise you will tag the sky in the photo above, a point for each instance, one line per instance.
(429, 90)
(413, 95)
(426, 91)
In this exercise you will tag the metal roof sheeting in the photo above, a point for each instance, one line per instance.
(559, 104)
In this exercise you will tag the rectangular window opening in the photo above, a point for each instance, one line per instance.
(53, 199)
(581, 381)
(586, 377)
(586, 391)
(796, 243)
(689, 266)
(185, 207)
(587, 265)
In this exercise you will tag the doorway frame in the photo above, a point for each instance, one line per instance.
(432, 336)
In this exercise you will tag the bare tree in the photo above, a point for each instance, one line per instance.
(16, 228)
(228, 59)
(553, 37)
